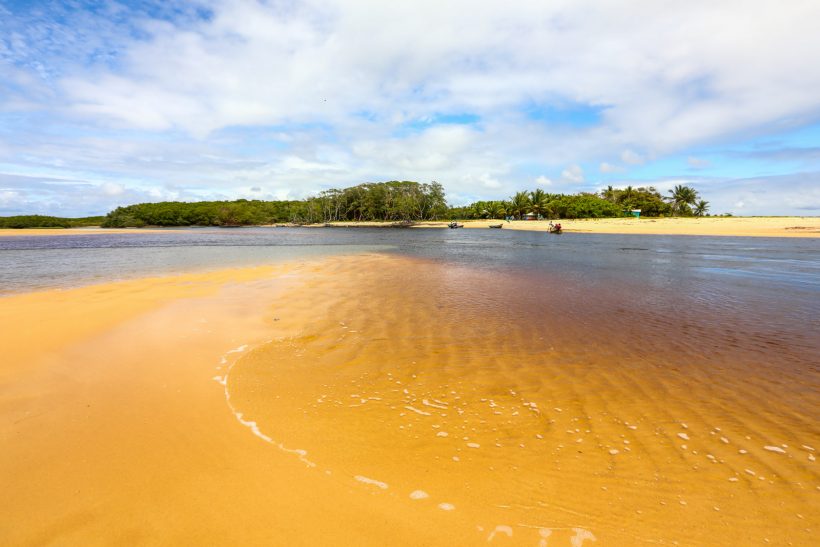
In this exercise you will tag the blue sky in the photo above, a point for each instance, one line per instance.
(110, 103)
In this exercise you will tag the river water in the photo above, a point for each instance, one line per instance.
(607, 386)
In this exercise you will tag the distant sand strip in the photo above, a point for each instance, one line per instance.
(706, 226)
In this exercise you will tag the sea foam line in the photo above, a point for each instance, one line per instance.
(250, 424)
(374, 482)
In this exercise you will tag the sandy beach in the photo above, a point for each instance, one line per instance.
(267, 406)
(116, 428)
(706, 226)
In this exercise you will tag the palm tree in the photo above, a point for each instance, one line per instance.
(538, 201)
(494, 209)
(682, 197)
(609, 194)
(701, 208)
(519, 204)
(626, 195)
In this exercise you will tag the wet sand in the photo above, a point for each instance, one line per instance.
(375, 400)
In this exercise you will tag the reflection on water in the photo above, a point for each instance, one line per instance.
(29, 262)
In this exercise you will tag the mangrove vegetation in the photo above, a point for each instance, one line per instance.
(41, 221)
(393, 201)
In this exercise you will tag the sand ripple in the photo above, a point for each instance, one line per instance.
(520, 400)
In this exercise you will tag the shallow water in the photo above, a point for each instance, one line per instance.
(542, 388)
(38, 262)
(544, 404)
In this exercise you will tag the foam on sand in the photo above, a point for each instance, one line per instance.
(372, 482)
(251, 424)
(417, 411)
(500, 529)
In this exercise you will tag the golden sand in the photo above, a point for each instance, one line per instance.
(370, 400)
(706, 226)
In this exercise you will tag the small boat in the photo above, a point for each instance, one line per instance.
(496, 225)
(453, 225)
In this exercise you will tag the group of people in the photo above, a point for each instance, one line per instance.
(555, 227)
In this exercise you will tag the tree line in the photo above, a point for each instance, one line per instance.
(681, 201)
(383, 201)
(43, 221)
(396, 201)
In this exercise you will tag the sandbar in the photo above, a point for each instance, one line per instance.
(805, 227)
(705, 226)
(302, 403)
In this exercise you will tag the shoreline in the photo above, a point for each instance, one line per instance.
(802, 227)
(114, 396)
(178, 400)
(791, 227)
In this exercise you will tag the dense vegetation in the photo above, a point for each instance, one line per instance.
(203, 213)
(394, 201)
(388, 201)
(683, 201)
(40, 221)
(542, 204)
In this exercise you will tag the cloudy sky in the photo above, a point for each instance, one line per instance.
(108, 103)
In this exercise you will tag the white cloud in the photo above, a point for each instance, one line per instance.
(489, 182)
(8, 197)
(256, 64)
(543, 181)
(631, 157)
(573, 173)
(609, 168)
(351, 90)
(697, 163)
(112, 189)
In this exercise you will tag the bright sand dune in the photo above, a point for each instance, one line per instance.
(378, 400)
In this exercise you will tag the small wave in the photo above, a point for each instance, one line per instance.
(251, 424)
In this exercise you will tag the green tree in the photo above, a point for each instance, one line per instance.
(701, 208)
(519, 204)
(682, 198)
(539, 202)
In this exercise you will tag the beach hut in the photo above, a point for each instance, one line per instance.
(636, 213)
(530, 216)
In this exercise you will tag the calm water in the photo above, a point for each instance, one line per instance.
(764, 264)
(772, 284)
(766, 285)
(617, 385)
